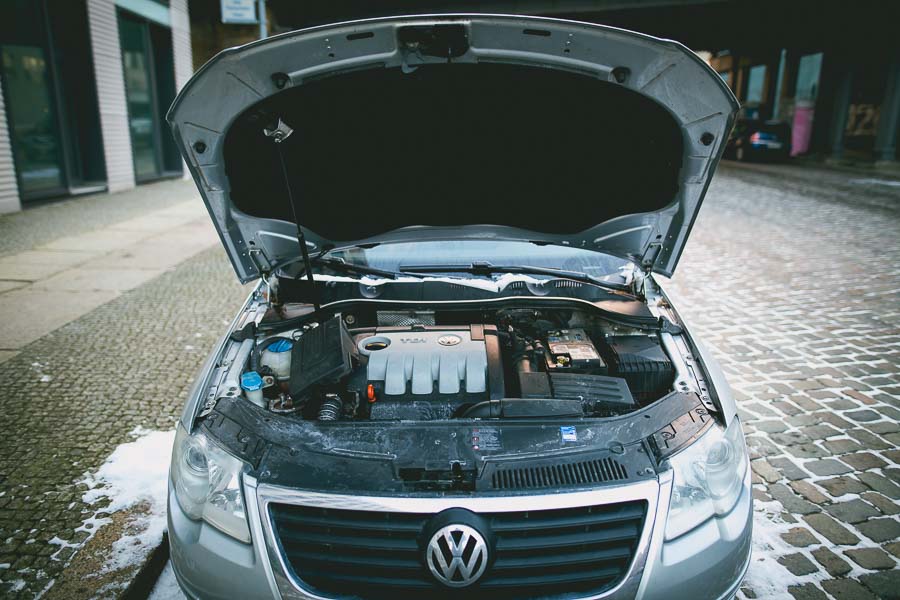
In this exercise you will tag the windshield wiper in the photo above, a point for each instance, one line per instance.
(486, 268)
(338, 264)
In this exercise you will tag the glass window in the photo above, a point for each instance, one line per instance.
(756, 81)
(808, 76)
(726, 77)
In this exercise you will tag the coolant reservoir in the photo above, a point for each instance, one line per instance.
(278, 358)
(252, 384)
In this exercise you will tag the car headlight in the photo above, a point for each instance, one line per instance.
(708, 478)
(207, 483)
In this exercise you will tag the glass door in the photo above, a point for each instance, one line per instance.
(27, 89)
(137, 62)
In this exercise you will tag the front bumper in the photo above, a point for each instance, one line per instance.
(209, 564)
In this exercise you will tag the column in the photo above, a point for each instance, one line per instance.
(839, 115)
(886, 136)
(104, 29)
(9, 187)
(181, 42)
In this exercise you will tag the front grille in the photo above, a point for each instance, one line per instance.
(538, 553)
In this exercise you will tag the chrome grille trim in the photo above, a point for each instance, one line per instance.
(291, 588)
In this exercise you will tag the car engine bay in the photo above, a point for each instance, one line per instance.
(442, 364)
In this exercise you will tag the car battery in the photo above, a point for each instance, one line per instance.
(572, 350)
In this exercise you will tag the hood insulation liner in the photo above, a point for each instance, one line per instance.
(456, 144)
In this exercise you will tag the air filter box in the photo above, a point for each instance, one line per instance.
(322, 354)
(642, 362)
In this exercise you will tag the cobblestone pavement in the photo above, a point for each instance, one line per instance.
(795, 282)
(71, 397)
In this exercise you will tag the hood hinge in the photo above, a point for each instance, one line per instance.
(650, 255)
(262, 262)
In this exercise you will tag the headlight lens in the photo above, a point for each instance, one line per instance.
(207, 483)
(708, 478)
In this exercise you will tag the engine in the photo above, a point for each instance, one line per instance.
(426, 374)
(426, 370)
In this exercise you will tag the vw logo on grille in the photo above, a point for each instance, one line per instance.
(457, 555)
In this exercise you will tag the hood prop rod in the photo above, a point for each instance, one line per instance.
(279, 133)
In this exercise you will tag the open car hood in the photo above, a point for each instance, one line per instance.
(454, 127)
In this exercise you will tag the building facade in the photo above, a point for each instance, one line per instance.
(84, 88)
(839, 106)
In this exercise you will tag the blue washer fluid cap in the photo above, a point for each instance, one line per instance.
(281, 346)
(251, 381)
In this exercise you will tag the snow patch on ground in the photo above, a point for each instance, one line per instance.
(166, 587)
(875, 181)
(135, 473)
(766, 576)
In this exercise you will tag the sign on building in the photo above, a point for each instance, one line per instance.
(239, 11)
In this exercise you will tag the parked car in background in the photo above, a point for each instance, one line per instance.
(757, 139)
(458, 377)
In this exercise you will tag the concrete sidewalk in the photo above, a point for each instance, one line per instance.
(55, 281)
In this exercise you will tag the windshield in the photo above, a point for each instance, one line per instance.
(395, 257)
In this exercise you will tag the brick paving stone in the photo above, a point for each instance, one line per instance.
(880, 530)
(788, 468)
(787, 408)
(885, 428)
(804, 420)
(797, 564)
(842, 446)
(841, 404)
(880, 484)
(863, 415)
(893, 548)
(799, 537)
(833, 419)
(834, 564)
(820, 432)
(894, 474)
(871, 558)
(793, 438)
(791, 501)
(765, 470)
(827, 466)
(882, 503)
(885, 585)
(831, 529)
(809, 491)
(771, 426)
(868, 439)
(807, 591)
(847, 589)
(807, 451)
(852, 511)
(838, 486)
(863, 461)
(859, 396)
(761, 496)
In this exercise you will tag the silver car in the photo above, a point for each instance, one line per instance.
(457, 375)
